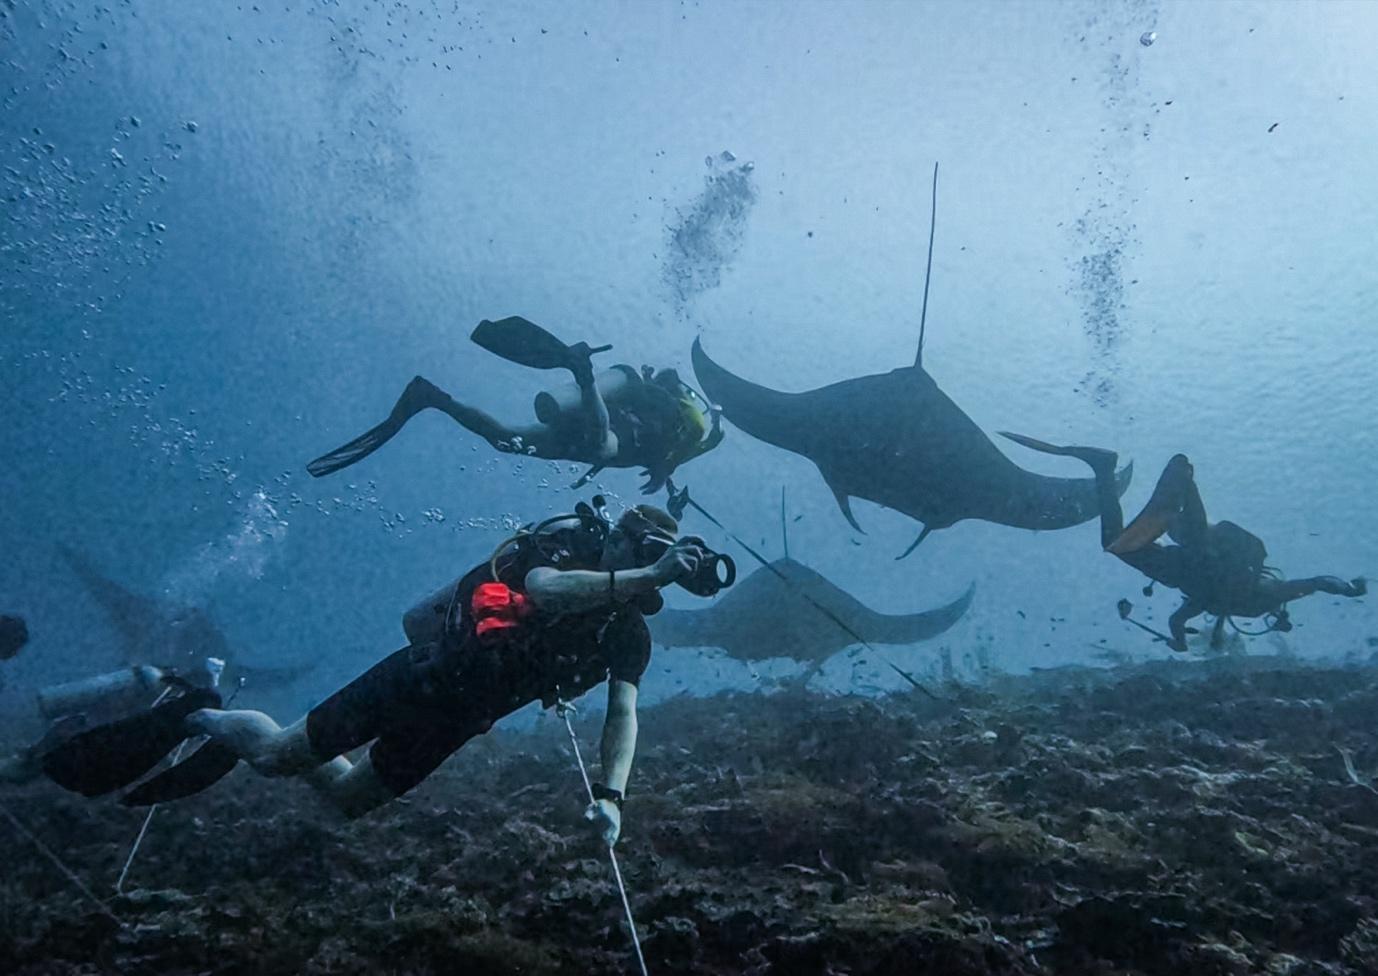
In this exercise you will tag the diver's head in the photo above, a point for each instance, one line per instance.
(639, 538)
(14, 634)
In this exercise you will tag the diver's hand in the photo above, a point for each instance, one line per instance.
(680, 560)
(655, 480)
(606, 819)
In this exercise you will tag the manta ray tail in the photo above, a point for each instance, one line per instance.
(1096, 457)
(844, 502)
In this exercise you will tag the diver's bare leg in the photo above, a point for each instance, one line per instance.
(258, 740)
(1218, 633)
(420, 394)
(271, 750)
(1174, 507)
(1177, 623)
(355, 789)
(1107, 496)
(537, 440)
(1279, 592)
(593, 428)
(1190, 527)
(1160, 563)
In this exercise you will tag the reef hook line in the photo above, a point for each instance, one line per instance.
(563, 709)
(216, 667)
(681, 497)
(57, 862)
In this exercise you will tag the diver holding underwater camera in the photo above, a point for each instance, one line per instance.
(559, 608)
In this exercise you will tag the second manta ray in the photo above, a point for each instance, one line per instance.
(763, 617)
(897, 440)
(168, 633)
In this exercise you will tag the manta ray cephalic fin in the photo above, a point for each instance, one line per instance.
(844, 502)
(915, 544)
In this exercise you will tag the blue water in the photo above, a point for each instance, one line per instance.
(231, 234)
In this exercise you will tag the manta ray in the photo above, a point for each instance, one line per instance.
(768, 614)
(898, 440)
(159, 632)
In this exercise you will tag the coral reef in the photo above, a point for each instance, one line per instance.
(1209, 817)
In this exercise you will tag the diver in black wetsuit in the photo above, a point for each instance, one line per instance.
(618, 418)
(547, 620)
(1218, 567)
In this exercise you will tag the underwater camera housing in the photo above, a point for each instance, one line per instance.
(716, 570)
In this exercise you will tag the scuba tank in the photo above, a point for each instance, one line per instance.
(129, 685)
(429, 620)
(611, 383)
(574, 541)
(575, 538)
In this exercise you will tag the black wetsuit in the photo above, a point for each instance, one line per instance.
(423, 702)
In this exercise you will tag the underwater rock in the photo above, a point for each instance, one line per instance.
(1067, 825)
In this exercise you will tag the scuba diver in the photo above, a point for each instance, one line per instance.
(615, 418)
(557, 610)
(1218, 566)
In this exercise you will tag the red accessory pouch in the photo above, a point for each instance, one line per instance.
(498, 609)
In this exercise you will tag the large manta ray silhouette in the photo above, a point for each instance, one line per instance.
(167, 634)
(896, 439)
(767, 615)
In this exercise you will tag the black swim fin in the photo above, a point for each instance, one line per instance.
(527, 344)
(204, 767)
(108, 757)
